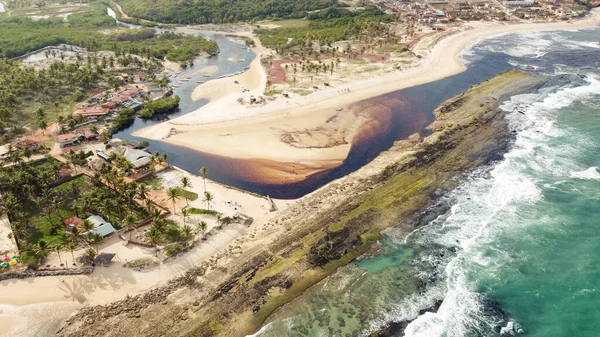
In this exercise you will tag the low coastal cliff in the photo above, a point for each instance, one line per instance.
(323, 232)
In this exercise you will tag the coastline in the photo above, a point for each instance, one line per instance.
(301, 251)
(211, 280)
(226, 128)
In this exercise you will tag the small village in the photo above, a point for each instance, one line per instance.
(95, 199)
(442, 12)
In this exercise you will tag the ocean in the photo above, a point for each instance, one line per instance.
(514, 249)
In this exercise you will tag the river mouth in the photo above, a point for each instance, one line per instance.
(396, 116)
(399, 115)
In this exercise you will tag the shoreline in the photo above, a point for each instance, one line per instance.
(301, 251)
(226, 128)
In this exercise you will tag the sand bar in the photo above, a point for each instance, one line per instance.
(226, 128)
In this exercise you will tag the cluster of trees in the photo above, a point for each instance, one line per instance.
(124, 119)
(36, 207)
(23, 35)
(160, 106)
(171, 46)
(27, 96)
(326, 27)
(220, 11)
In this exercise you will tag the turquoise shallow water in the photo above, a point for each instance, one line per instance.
(517, 251)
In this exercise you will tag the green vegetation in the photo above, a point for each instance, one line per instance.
(171, 46)
(36, 206)
(325, 27)
(23, 35)
(218, 11)
(193, 210)
(38, 97)
(124, 119)
(160, 106)
(291, 23)
(187, 195)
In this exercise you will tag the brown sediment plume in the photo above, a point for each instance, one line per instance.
(326, 230)
(263, 171)
(357, 124)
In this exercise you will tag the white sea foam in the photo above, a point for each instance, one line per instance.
(261, 331)
(589, 174)
(489, 205)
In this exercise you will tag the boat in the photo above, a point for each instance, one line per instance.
(222, 76)
(200, 81)
(206, 75)
(179, 82)
(242, 60)
(246, 68)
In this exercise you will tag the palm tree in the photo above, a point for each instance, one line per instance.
(41, 249)
(129, 223)
(149, 204)
(187, 232)
(185, 184)
(142, 190)
(202, 227)
(208, 199)
(87, 225)
(71, 246)
(173, 195)
(154, 236)
(185, 213)
(96, 239)
(91, 253)
(203, 173)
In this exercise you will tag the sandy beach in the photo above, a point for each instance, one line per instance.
(22, 300)
(263, 133)
(225, 128)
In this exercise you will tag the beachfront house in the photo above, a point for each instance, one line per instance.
(101, 226)
(68, 139)
(138, 158)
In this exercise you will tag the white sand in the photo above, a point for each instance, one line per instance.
(113, 283)
(226, 128)
(107, 284)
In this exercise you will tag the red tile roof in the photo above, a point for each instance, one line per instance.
(72, 221)
(66, 136)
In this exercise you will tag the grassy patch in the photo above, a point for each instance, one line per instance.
(201, 211)
(272, 92)
(302, 92)
(292, 23)
(153, 182)
(189, 195)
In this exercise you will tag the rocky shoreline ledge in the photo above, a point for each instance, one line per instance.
(43, 272)
(322, 232)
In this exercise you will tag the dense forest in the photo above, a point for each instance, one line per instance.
(220, 11)
(22, 35)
